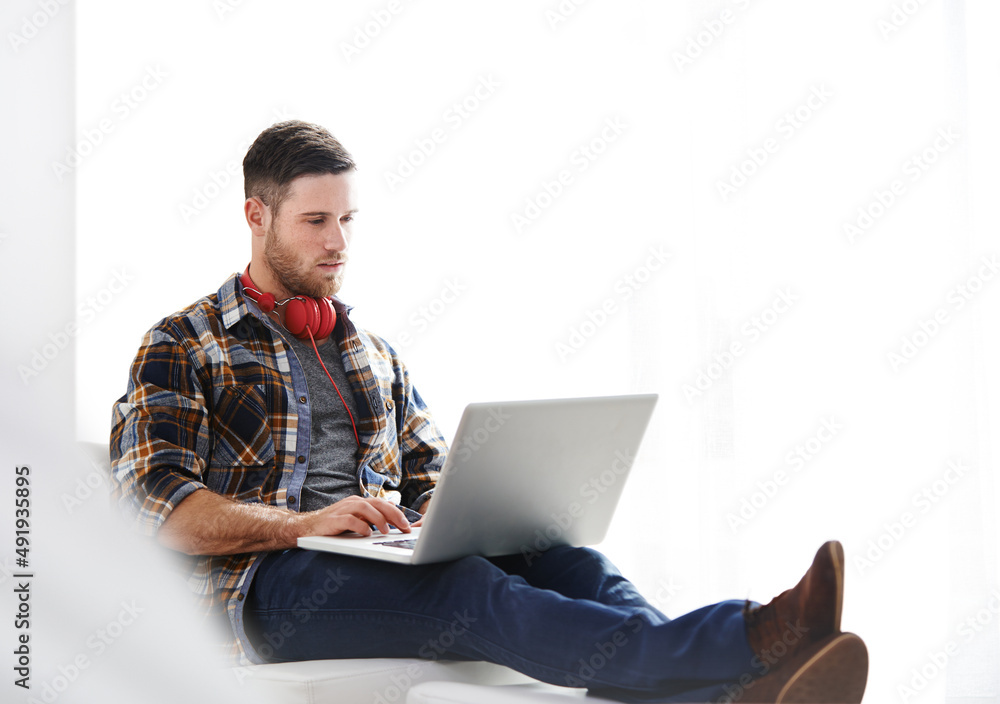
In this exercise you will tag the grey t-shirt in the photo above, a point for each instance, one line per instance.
(332, 473)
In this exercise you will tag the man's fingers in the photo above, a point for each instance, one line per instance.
(373, 515)
(360, 514)
(392, 514)
(352, 523)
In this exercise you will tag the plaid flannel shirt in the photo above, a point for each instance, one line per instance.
(217, 399)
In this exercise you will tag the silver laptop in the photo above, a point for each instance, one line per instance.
(521, 477)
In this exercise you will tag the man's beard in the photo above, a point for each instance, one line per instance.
(284, 266)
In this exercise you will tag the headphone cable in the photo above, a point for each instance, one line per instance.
(328, 376)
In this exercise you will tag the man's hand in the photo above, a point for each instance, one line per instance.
(354, 514)
(422, 511)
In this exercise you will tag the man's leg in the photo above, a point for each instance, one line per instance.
(578, 573)
(600, 634)
(800, 652)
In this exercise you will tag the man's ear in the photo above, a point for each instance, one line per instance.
(258, 216)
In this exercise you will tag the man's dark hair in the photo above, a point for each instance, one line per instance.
(285, 151)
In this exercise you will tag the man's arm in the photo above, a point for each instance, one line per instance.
(205, 523)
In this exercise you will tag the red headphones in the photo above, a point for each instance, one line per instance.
(302, 313)
(306, 318)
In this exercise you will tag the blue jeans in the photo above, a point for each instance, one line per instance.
(567, 617)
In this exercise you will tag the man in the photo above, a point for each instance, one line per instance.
(262, 413)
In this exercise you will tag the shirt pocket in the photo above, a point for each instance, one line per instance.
(243, 446)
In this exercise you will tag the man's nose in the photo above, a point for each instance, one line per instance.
(336, 238)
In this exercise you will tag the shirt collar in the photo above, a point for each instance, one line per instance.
(235, 305)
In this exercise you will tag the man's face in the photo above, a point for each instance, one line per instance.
(305, 246)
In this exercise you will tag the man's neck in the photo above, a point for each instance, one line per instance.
(265, 283)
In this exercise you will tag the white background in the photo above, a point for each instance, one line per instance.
(119, 210)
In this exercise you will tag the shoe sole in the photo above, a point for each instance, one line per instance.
(834, 671)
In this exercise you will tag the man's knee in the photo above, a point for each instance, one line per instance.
(471, 567)
(581, 557)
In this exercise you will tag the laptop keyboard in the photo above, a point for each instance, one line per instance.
(405, 544)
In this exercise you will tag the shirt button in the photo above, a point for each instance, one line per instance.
(302, 399)
(291, 499)
(388, 405)
(302, 458)
(239, 597)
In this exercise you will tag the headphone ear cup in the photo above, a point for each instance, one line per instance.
(300, 314)
(266, 302)
(327, 318)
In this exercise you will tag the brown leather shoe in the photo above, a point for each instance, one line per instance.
(803, 615)
(833, 670)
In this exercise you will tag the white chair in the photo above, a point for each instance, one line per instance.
(366, 681)
(461, 693)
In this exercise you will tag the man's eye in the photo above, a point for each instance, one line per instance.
(318, 221)
(347, 218)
